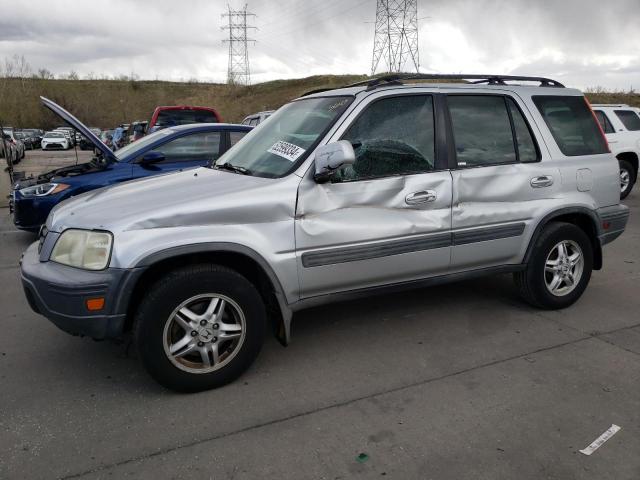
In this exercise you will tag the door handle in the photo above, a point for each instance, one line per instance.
(422, 196)
(542, 181)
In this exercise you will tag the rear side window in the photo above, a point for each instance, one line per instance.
(482, 130)
(604, 122)
(630, 119)
(572, 125)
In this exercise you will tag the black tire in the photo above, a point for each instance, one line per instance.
(171, 291)
(627, 169)
(532, 283)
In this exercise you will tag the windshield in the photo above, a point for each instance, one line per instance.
(276, 147)
(53, 135)
(141, 144)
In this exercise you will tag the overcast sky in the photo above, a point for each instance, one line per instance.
(583, 43)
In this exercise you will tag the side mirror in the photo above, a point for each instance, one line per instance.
(332, 156)
(151, 157)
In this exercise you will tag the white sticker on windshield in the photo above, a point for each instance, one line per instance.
(286, 150)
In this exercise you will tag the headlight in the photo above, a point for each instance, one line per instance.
(83, 249)
(43, 189)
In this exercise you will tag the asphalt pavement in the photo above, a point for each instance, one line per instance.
(462, 381)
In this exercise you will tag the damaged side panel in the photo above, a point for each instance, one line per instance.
(496, 207)
(364, 233)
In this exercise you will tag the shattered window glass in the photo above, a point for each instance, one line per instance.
(393, 136)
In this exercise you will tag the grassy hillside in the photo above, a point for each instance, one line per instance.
(105, 103)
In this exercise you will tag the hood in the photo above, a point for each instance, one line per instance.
(181, 199)
(59, 173)
(81, 127)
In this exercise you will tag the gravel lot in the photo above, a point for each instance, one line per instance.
(458, 381)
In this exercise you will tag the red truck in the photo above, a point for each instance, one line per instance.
(169, 116)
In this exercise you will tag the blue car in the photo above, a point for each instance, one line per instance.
(170, 149)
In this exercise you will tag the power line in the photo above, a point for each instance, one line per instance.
(238, 71)
(396, 35)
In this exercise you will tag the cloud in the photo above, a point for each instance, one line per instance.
(585, 42)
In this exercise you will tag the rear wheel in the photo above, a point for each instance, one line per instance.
(627, 178)
(200, 327)
(559, 269)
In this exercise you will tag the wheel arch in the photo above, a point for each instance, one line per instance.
(632, 158)
(582, 217)
(242, 259)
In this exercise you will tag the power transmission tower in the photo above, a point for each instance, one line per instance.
(396, 36)
(238, 71)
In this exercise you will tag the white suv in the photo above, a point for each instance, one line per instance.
(621, 125)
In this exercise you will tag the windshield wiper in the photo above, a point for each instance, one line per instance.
(233, 168)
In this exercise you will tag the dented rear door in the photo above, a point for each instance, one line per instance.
(501, 186)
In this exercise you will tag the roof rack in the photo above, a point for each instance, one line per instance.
(396, 79)
(488, 79)
(622, 105)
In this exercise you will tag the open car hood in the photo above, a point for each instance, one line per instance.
(81, 127)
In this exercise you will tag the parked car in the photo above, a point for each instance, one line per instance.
(8, 150)
(343, 193)
(32, 138)
(67, 135)
(178, 148)
(55, 141)
(621, 125)
(12, 136)
(171, 116)
(70, 133)
(136, 130)
(106, 137)
(256, 118)
(85, 143)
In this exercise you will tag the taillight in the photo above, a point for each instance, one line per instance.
(595, 119)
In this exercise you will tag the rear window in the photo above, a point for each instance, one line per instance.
(572, 125)
(630, 119)
(604, 121)
(172, 118)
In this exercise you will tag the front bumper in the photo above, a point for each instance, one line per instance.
(60, 293)
(32, 212)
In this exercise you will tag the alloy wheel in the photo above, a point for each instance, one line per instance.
(563, 268)
(625, 179)
(204, 333)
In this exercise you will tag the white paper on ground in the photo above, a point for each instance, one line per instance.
(598, 442)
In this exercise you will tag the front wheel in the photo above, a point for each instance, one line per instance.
(626, 178)
(200, 327)
(559, 269)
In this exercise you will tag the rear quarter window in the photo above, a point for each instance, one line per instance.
(604, 121)
(572, 124)
(630, 119)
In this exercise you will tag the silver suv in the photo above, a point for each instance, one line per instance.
(342, 193)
